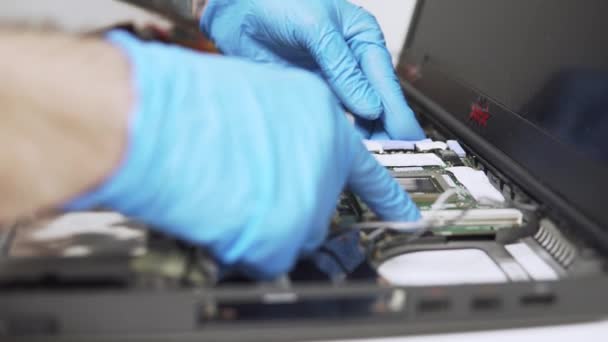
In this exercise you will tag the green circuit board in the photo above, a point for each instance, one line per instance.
(424, 185)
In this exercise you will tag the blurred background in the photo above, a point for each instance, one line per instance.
(77, 15)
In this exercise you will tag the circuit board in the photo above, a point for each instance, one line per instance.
(426, 174)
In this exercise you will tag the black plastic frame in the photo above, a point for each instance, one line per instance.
(176, 315)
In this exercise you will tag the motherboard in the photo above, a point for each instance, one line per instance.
(428, 169)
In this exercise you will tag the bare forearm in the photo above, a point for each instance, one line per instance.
(64, 104)
(186, 11)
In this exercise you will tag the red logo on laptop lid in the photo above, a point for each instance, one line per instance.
(480, 112)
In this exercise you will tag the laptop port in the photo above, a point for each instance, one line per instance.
(538, 300)
(486, 304)
(433, 305)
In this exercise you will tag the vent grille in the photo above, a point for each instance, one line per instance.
(556, 244)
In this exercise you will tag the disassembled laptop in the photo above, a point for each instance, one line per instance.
(497, 247)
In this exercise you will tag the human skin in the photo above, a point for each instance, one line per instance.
(65, 102)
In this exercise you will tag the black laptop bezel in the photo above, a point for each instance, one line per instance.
(521, 150)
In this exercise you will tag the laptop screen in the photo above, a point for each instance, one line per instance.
(539, 69)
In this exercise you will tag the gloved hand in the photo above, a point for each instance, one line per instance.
(341, 41)
(245, 159)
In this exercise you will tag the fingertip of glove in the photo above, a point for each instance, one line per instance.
(412, 133)
(368, 109)
(411, 211)
(404, 126)
(402, 208)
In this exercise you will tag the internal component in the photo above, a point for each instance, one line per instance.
(107, 248)
(427, 169)
(429, 268)
(91, 234)
(478, 217)
(425, 187)
(100, 249)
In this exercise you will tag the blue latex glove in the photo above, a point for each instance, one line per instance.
(335, 38)
(245, 159)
